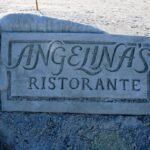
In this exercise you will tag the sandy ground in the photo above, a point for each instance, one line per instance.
(130, 17)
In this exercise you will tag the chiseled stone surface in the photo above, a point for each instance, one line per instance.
(36, 131)
(22, 131)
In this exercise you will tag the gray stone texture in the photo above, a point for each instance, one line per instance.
(47, 131)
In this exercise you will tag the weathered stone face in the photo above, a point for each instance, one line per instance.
(66, 131)
(79, 73)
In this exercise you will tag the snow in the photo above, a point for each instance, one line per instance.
(131, 17)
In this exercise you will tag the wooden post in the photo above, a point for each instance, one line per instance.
(37, 7)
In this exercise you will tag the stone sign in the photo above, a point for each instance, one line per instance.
(76, 73)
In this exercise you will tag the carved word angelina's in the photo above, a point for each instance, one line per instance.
(90, 58)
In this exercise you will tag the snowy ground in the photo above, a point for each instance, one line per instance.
(114, 16)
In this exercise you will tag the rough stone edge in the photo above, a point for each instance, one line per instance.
(27, 22)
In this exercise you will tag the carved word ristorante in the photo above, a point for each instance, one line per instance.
(101, 84)
(90, 58)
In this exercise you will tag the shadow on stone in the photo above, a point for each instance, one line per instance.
(3, 144)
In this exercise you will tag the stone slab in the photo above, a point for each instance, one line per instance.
(76, 73)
